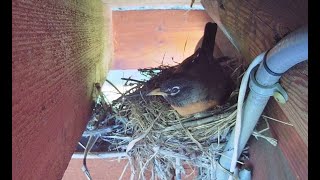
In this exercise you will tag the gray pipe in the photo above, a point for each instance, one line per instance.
(290, 51)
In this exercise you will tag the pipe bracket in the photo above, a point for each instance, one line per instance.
(274, 90)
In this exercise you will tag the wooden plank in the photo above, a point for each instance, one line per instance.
(102, 169)
(295, 82)
(111, 169)
(133, 50)
(148, 37)
(57, 56)
(147, 3)
(290, 142)
(268, 161)
(254, 26)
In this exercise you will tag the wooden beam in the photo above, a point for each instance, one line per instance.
(153, 3)
(149, 37)
(289, 141)
(254, 26)
(58, 53)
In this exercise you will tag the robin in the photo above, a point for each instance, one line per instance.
(199, 82)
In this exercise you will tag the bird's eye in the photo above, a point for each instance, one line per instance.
(175, 90)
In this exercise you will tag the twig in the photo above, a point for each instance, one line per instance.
(118, 137)
(129, 79)
(100, 155)
(124, 170)
(132, 168)
(92, 140)
(229, 157)
(178, 169)
(173, 154)
(269, 139)
(257, 134)
(199, 122)
(191, 137)
(97, 131)
(264, 116)
(192, 1)
(164, 55)
(147, 162)
(81, 145)
(133, 142)
(185, 44)
(114, 86)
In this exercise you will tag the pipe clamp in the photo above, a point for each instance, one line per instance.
(275, 90)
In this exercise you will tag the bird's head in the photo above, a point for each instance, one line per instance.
(179, 91)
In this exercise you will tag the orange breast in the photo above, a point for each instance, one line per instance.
(195, 107)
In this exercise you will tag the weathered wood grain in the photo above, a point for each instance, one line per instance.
(157, 35)
(254, 26)
(295, 82)
(290, 142)
(148, 3)
(57, 55)
(149, 37)
(265, 167)
(111, 169)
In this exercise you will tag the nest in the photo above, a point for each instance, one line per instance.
(159, 142)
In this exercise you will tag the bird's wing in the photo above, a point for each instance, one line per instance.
(187, 63)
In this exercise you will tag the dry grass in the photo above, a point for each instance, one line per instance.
(157, 140)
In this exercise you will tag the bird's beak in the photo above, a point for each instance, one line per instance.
(156, 92)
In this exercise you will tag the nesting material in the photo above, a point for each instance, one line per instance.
(160, 137)
(159, 142)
